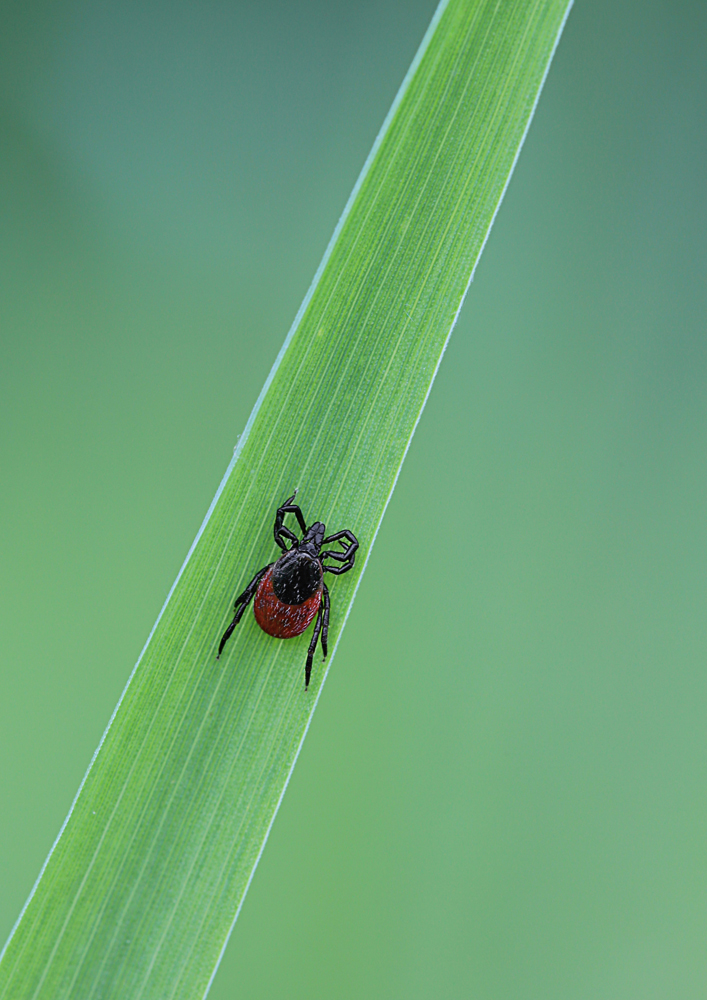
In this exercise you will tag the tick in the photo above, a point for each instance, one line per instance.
(291, 592)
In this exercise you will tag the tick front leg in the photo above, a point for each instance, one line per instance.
(281, 533)
(241, 603)
(349, 543)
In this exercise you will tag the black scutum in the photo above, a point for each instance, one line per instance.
(296, 576)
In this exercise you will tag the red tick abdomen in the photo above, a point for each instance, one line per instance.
(283, 621)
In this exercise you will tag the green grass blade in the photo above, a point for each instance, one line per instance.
(143, 885)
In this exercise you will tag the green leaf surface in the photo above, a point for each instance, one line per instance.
(143, 885)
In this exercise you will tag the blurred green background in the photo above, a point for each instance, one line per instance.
(504, 791)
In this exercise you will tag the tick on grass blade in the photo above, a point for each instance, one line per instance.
(290, 592)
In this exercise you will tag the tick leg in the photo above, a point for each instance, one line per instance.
(312, 647)
(241, 603)
(325, 620)
(245, 598)
(349, 543)
(281, 533)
